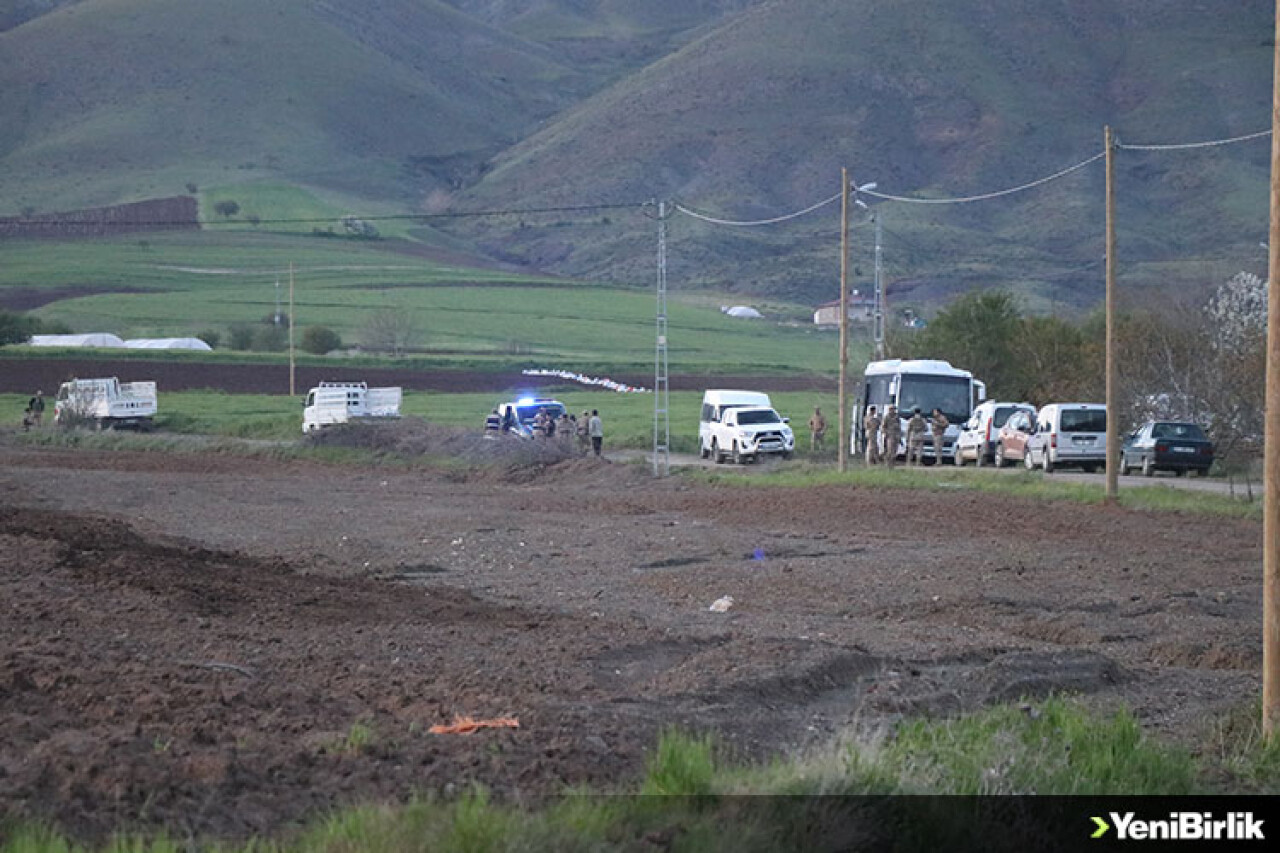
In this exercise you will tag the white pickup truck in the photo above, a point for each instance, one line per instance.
(742, 425)
(332, 403)
(105, 403)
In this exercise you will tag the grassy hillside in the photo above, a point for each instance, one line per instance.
(739, 108)
(111, 100)
(757, 118)
(183, 284)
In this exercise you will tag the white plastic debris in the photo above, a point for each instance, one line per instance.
(721, 605)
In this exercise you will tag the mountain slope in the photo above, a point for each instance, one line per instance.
(758, 116)
(116, 99)
(742, 108)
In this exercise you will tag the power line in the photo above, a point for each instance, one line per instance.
(984, 196)
(705, 218)
(1182, 146)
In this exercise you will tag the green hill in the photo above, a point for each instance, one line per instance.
(737, 108)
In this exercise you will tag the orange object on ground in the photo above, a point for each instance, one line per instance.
(470, 725)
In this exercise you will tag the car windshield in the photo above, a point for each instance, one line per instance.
(1003, 414)
(758, 416)
(1187, 431)
(1083, 420)
(949, 393)
(528, 413)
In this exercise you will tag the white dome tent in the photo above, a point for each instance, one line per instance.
(91, 339)
(167, 343)
(744, 311)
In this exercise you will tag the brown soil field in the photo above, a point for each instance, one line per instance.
(25, 376)
(226, 646)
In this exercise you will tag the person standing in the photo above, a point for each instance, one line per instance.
(938, 423)
(595, 428)
(36, 406)
(915, 437)
(584, 435)
(540, 421)
(871, 431)
(890, 435)
(817, 430)
(493, 423)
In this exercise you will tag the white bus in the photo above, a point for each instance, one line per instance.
(918, 383)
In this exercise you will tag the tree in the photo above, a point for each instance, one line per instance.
(319, 340)
(226, 209)
(210, 337)
(240, 336)
(979, 332)
(392, 330)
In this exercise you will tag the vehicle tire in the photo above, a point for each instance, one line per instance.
(716, 455)
(703, 452)
(1000, 460)
(1089, 469)
(1046, 464)
(1124, 469)
(1026, 461)
(1148, 467)
(738, 458)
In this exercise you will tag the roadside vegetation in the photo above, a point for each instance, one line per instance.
(695, 796)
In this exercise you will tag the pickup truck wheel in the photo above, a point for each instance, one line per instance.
(716, 455)
(1026, 461)
(1000, 460)
(1046, 464)
(738, 458)
(1148, 467)
(703, 453)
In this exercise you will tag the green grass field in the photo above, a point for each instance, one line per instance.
(183, 284)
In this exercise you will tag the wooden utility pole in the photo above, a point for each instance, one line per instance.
(1113, 419)
(292, 391)
(842, 454)
(1271, 450)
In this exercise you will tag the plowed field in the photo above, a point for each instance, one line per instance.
(228, 646)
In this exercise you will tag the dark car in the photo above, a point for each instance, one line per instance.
(1167, 446)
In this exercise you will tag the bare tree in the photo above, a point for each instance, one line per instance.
(392, 330)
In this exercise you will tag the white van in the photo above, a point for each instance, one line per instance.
(977, 441)
(1069, 434)
(715, 403)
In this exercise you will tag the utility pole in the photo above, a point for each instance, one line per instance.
(877, 320)
(292, 391)
(1271, 435)
(661, 378)
(842, 452)
(1113, 429)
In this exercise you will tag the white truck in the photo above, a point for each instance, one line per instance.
(332, 403)
(742, 425)
(105, 403)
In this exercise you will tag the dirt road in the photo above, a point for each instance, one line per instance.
(230, 646)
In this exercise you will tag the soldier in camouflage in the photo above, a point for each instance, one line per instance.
(890, 435)
(915, 437)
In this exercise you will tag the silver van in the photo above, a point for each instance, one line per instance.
(1069, 434)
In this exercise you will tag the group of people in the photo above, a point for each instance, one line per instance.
(883, 434)
(589, 429)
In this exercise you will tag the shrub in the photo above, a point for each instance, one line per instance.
(210, 337)
(270, 338)
(240, 336)
(319, 340)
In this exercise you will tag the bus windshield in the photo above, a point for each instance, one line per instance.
(951, 394)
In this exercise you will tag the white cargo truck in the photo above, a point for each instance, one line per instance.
(105, 403)
(332, 403)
